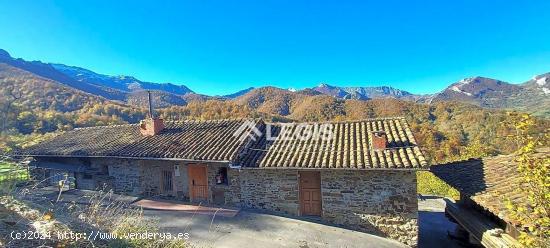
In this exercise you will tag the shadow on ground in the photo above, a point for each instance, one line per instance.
(434, 225)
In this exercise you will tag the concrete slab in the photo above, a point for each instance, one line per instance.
(247, 228)
(187, 208)
(244, 229)
(254, 229)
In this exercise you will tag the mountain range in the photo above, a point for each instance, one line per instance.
(39, 98)
(531, 96)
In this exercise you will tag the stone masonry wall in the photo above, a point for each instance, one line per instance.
(228, 190)
(95, 169)
(379, 202)
(234, 194)
(271, 190)
(126, 175)
(152, 176)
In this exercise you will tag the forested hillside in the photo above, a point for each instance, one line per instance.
(31, 103)
(447, 131)
(532, 96)
(38, 98)
(122, 89)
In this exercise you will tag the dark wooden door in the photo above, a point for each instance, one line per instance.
(310, 193)
(198, 183)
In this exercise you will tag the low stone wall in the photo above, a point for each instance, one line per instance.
(378, 202)
(272, 190)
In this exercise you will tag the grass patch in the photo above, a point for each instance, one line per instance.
(5, 166)
(11, 173)
(429, 184)
(8, 143)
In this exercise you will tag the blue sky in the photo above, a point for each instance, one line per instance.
(218, 47)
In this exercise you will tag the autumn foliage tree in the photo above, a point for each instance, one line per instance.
(534, 168)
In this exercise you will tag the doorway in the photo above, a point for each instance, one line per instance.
(198, 182)
(310, 193)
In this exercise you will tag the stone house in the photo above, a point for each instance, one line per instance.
(357, 174)
(486, 185)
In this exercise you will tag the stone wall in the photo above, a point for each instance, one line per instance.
(152, 178)
(181, 181)
(126, 175)
(234, 194)
(222, 193)
(271, 190)
(40, 175)
(379, 202)
(144, 178)
(92, 173)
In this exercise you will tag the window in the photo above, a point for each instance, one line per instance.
(167, 181)
(221, 177)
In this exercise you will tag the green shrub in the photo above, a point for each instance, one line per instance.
(429, 184)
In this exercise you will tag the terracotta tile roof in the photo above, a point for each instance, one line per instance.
(193, 140)
(489, 182)
(349, 148)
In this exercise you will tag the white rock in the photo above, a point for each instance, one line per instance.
(455, 88)
(541, 81)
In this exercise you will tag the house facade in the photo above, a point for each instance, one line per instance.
(357, 174)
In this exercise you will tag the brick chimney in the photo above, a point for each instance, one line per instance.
(152, 125)
(379, 140)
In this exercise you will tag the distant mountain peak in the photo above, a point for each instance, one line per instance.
(119, 88)
(239, 93)
(466, 80)
(4, 53)
(492, 93)
(363, 93)
(458, 86)
(542, 81)
(119, 82)
(457, 89)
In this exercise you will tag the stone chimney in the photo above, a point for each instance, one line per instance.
(379, 140)
(152, 125)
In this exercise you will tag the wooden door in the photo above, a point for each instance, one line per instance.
(310, 193)
(198, 183)
(167, 183)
